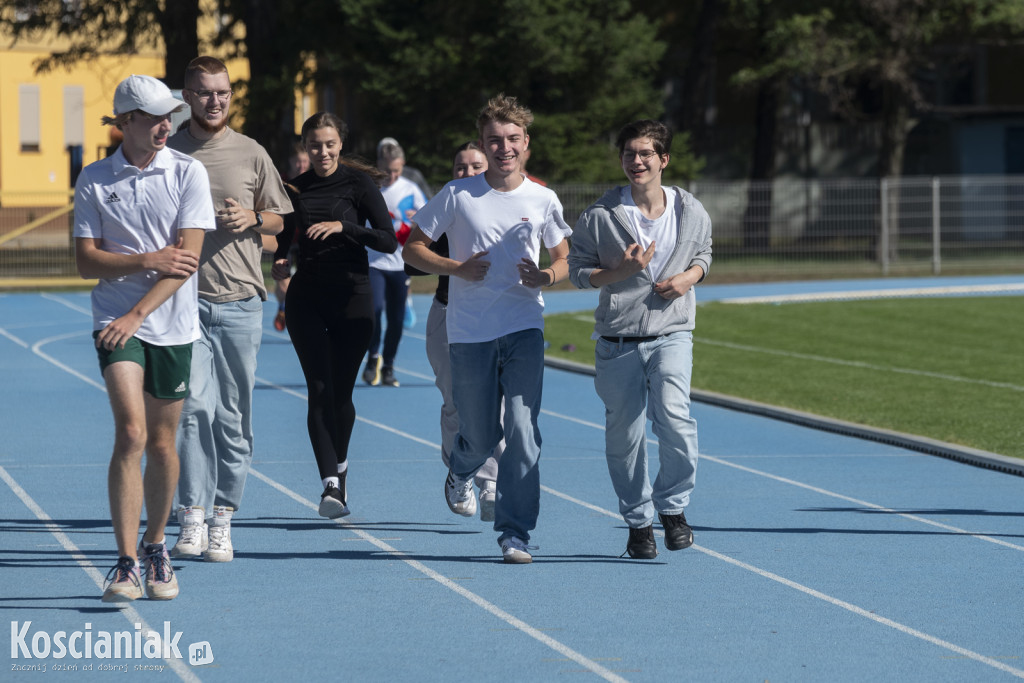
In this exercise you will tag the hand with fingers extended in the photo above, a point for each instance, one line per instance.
(320, 231)
(119, 331)
(173, 260)
(474, 268)
(634, 259)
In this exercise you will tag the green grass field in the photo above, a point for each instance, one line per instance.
(949, 369)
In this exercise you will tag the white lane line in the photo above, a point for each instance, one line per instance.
(858, 364)
(878, 294)
(518, 624)
(63, 302)
(17, 340)
(184, 672)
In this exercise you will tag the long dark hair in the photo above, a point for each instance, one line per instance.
(326, 119)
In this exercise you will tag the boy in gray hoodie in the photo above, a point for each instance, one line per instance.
(645, 246)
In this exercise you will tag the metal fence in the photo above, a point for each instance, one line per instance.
(782, 229)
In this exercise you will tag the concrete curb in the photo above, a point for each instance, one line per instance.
(964, 454)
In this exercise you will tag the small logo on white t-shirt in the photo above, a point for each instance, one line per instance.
(112, 198)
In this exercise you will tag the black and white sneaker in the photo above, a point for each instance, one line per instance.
(458, 493)
(332, 503)
(678, 534)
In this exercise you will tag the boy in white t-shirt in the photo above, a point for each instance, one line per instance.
(496, 223)
(140, 218)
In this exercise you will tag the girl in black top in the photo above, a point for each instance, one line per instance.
(329, 300)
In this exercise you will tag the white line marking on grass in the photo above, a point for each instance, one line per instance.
(860, 611)
(858, 364)
(493, 609)
(130, 613)
(877, 294)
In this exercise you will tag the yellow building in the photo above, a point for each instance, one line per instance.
(50, 122)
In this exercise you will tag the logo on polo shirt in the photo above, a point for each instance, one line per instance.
(112, 198)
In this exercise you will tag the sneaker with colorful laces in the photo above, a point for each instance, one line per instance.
(220, 548)
(124, 581)
(458, 493)
(161, 583)
(515, 551)
(486, 500)
(193, 539)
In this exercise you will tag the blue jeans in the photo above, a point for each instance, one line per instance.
(654, 375)
(215, 439)
(482, 374)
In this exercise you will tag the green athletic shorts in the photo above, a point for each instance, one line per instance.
(167, 368)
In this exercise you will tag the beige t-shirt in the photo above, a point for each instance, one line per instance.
(239, 168)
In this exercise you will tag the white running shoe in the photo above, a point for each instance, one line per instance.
(193, 538)
(219, 547)
(515, 551)
(161, 583)
(459, 495)
(488, 496)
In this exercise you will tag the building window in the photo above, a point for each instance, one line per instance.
(28, 116)
(74, 115)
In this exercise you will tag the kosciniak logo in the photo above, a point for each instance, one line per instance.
(88, 644)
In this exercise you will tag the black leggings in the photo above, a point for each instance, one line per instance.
(330, 320)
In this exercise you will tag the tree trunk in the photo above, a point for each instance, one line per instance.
(758, 214)
(697, 79)
(273, 67)
(179, 23)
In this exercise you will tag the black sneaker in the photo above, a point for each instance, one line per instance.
(641, 545)
(387, 376)
(678, 534)
(332, 503)
(371, 373)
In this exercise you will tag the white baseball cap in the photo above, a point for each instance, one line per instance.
(145, 93)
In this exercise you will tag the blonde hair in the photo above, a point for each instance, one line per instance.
(504, 109)
(203, 65)
(118, 120)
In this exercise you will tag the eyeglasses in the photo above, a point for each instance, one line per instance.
(205, 95)
(645, 155)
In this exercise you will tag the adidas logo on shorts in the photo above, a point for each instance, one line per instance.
(180, 388)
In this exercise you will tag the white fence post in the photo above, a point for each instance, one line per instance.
(936, 228)
(883, 238)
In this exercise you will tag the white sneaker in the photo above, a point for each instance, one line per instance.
(459, 495)
(193, 538)
(219, 548)
(488, 496)
(515, 551)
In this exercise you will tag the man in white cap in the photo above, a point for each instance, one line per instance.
(140, 218)
(215, 439)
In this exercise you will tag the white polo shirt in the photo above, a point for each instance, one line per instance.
(135, 211)
(507, 225)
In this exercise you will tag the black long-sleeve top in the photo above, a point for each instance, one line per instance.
(349, 196)
(438, 246)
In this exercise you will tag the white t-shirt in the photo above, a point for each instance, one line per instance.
(662, 230)
(135, 211)
(507, 225)
(404, 199)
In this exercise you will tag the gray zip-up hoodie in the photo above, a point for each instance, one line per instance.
(632, 308)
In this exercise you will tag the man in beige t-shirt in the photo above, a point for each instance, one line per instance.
(215, 436)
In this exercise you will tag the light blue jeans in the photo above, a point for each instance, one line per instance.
(655, 376)
(215, 439)
(510, 367)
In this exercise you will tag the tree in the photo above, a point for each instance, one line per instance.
(127, 26)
